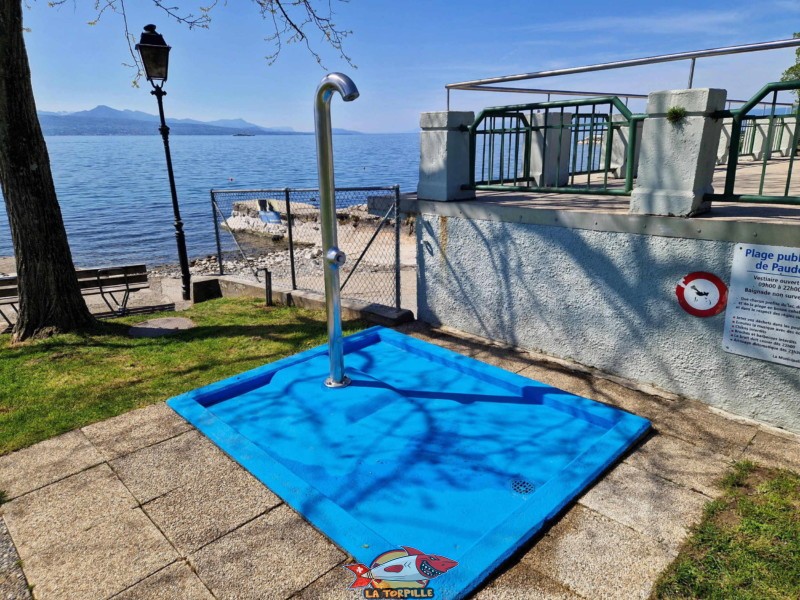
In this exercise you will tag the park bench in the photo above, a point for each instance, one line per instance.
(107, 282)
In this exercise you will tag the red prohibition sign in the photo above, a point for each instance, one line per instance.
(702, 294)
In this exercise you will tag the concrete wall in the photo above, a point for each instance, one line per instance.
(619, 147)
(602, 298)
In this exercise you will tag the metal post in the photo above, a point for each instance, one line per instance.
(397, 247)
(287, 195)
(334, 258)
(179, 235)
(691, 73)
(216, 232)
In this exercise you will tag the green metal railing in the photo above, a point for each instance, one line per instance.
(752, 126)
(745, 130)
(560, 147)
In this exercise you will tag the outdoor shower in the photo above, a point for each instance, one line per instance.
(333, 257)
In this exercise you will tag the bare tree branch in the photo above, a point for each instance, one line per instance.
(289, 19)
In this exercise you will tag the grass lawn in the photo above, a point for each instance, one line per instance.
(51, 386)
(748, 544)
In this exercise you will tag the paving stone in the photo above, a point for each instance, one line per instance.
(598, 557)
(273, 556)
(160, 327)
(334, 585)
(524, 582)
(176, 582)
(775, 450)
(13, 585)
(46, 516)
(682, 463)
(456, 344)
(100, 561)
(163, 467)
(505, 359)
(649, 504)
(696, 424)
(201, 511)
(573, 382)
(135, 429)
(46, 462)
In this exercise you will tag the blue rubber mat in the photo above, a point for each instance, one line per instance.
(430, 468)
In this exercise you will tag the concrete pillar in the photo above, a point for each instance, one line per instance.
(444, 155)
(786, 133)
(676, 161)
(724, 147)
(619, 146)
(550, 146)
(761, 138)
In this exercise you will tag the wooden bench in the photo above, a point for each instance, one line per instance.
(107, 282)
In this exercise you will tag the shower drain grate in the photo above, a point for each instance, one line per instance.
(522, 486)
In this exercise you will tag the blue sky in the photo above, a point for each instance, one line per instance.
(405, 53)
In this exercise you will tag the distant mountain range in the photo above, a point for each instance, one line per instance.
(104, 120)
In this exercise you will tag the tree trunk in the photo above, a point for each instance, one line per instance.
(50, 299)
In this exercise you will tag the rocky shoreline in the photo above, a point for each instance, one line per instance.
(308, 261)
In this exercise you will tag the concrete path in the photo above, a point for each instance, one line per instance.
(142, 506)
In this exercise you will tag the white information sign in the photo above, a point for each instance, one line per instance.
(763, 315)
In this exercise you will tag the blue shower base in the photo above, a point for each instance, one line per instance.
(426, 448)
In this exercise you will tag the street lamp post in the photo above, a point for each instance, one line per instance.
(154, 53)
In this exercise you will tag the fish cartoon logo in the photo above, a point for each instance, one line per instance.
(407, 569)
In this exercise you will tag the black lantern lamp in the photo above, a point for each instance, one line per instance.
(154, 53)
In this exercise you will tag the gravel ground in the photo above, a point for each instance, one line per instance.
(13, 585)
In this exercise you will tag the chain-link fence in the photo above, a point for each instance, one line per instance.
(278, 230)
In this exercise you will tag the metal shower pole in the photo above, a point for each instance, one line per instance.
(334, 258)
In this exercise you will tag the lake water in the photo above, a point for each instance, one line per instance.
(114, 191)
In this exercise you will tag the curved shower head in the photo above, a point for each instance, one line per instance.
(340, 83)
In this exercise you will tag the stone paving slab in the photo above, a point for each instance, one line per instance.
(681, 462)
(166, 466)
(160, 327)
(698, 425)
(100, 561)
(524, 582)
(206, 508)
(46, 462)
(647, 503)
(501, 358)
(45, 517)
(175, 582)
(333, 585)
(774, 450)
(271, 557)
(599, 558)
(134, 430)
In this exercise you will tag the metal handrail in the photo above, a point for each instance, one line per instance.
(620, 64)
(548, 93)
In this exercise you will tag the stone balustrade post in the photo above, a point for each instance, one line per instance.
(724, 147)
(550, 149)
(619, 146)
(444, 155)
(677, 159)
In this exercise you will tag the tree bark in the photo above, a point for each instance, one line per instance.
(50, 299)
